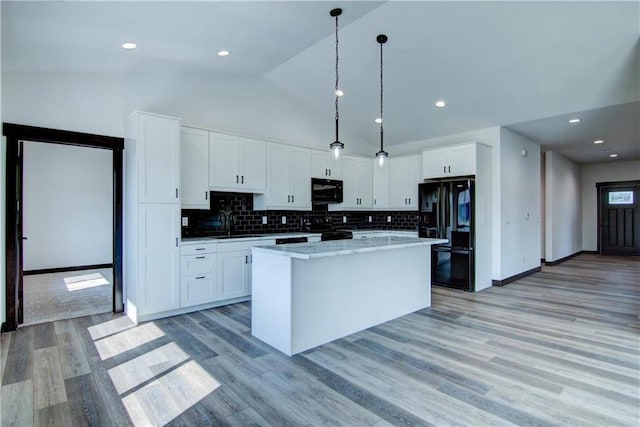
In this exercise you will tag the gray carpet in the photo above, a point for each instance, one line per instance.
(56, 296)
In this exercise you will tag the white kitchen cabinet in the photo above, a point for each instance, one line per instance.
(456, 160)
(404, 177)
(380, 186)
(198, 280)
(194, 168)
(357, 183)
(234, 274)
(151, 215)
(157, 141)
(288, 179)
(237, 163)
(158, 269)
(324, 165)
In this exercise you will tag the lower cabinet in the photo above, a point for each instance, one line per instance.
(234, 274)
(198, 277)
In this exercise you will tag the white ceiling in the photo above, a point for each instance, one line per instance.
(526, 65)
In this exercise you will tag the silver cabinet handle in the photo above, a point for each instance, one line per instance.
(176, 193)
(199, 277)
(176, 242)
(206, 195)
(200, 257)
(293, 198)
(246, 259)
(444, 169)
(326, 172)
(237, 179)
(242, 179)
(409, 200)
(329, 172)
(288, 198)
(200, 249)
(449, 168)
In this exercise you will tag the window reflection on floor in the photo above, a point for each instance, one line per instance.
(76, 283)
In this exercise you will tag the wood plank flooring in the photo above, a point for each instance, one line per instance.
(560, 347)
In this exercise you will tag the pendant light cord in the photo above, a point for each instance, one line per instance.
(381, 103)
(337, 81)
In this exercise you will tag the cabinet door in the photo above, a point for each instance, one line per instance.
(380, 186)
(198, 289)
(300, 177)
(365, 184)
(414, 177)
(253, 158)
(434, 163)
(350, 183)
(233, 274)
(278, 194)
(194, 170)
(398, 175)
(462, 160)
(223, 161)
(159, 258)
(158, 148)
(324, 165)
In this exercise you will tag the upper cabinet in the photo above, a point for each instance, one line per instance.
(288, 179)
(457, 160)
(156, 140)
(237, 163)
(357, 180)
(380, 186)
(194, 169)
(324, 165)
(404, 177)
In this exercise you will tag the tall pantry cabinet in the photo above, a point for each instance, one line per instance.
(151, 215)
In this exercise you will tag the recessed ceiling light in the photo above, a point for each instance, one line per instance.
(598, 141)
(338, 92)
(224, 53)
(378, 120)
(440, 104)
(129, 45)
(613, 156)
(575, 120)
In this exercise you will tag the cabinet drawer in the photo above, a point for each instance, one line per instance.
(202, 248)
(197, 264)
(198, 289)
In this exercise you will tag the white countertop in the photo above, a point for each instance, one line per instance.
(345, 247)
(213, 239)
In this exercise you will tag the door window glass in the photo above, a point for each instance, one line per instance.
(621, 197)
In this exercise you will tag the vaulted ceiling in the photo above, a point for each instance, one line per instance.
(530, 66)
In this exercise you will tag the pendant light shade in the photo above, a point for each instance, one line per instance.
(381, 155)
(337, 146)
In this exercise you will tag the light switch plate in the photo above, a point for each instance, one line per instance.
(185, 221)
(389, 218)
(284, 219)
(344, 219)
(369, 218)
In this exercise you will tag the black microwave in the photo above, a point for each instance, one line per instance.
(324, 191)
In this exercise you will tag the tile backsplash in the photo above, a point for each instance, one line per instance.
(245, 220)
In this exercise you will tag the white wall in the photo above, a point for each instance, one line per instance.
(520, 202)
(601, 172)
(563, 192)
(99, 103)
(67, 206)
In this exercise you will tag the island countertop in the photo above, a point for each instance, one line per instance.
(345, 247)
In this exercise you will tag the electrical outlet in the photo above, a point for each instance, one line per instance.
(369, 218)
(284, 219)
(264, 220)
(185, 221)
(344, 219)
(389, 218)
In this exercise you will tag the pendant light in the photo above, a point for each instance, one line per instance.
(381, 155)
(337, 146)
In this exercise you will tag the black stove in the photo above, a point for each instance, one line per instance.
(328, 231)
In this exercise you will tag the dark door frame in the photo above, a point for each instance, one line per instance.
(15, 135)
(599, 187)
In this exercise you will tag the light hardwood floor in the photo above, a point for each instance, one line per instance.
(560, 347)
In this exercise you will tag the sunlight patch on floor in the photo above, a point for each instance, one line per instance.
(136, 371)
(127, 340)
(110, 327)
(164, 399)
(76, 283)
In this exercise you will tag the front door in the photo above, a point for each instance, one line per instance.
(619, 214)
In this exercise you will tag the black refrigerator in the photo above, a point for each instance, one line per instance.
(446, 212)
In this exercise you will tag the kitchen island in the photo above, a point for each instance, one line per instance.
(308, 294)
